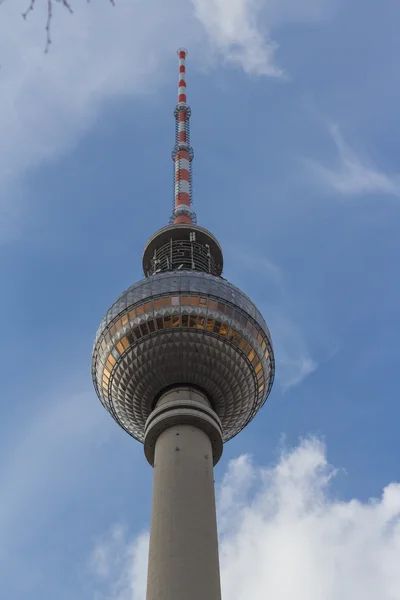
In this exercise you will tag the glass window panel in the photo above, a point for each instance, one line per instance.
(107, 337)
(231, 334)
(200, 323)
(185, 320)
(115, 353)
(194, 300)
(140, 310)
(158, 303)
(217, 326)
(261, 388)
(259, 339)
(175, 321)
(175, 300)
(124, 320)
(125, 343)
(144, 329)
(251, 354)
(255, 361)
(266, 354)
(185, 299)
(137, 333)
(228, 311)
(243, 344)
(112, 359)
(263, 345)
(210, 324)
(224, 329)
(237, 315)
(167, 322)
(132, 314)
(259, 374)
(109, 365)
(258, 368)
(203, 301)
(212, 305)
(160, 324)
(237, 339)
(148, 307)
(106, 374)
(102, 345)
(118, 325)
(249, 325)
(166, 301)
(120, 348)
(130, 338)
(151, 327)
(113, 330)
(221, 307)
(192, 321)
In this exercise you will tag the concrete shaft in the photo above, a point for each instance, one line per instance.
(183, 556)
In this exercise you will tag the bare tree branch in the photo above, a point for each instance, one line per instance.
(66, 4)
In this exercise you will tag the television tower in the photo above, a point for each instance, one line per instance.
(183, 361)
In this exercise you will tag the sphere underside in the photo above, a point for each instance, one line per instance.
(193, 329)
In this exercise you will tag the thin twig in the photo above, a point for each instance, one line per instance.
(66, 4)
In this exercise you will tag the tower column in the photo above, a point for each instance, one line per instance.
(183, 442)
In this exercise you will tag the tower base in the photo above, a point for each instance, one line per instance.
(183, 555)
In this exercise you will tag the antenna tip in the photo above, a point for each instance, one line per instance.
(182, 52)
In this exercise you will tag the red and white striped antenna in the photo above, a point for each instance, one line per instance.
(182, 154)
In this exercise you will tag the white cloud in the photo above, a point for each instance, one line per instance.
(234, 29)
(285, 535)
(120, 566)
(240, 30)
(98, 54)
(101, 53)
(352, 174)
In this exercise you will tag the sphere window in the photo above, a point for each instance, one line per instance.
(217, 326)
(212, 305)
(224, 329)
(120, 347)
(251, 354)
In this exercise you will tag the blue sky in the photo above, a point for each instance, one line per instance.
(296, 138)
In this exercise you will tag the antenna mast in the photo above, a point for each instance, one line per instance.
(182, 154)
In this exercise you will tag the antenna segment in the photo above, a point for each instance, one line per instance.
(182, 154)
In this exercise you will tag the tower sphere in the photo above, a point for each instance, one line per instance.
(189, 328)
